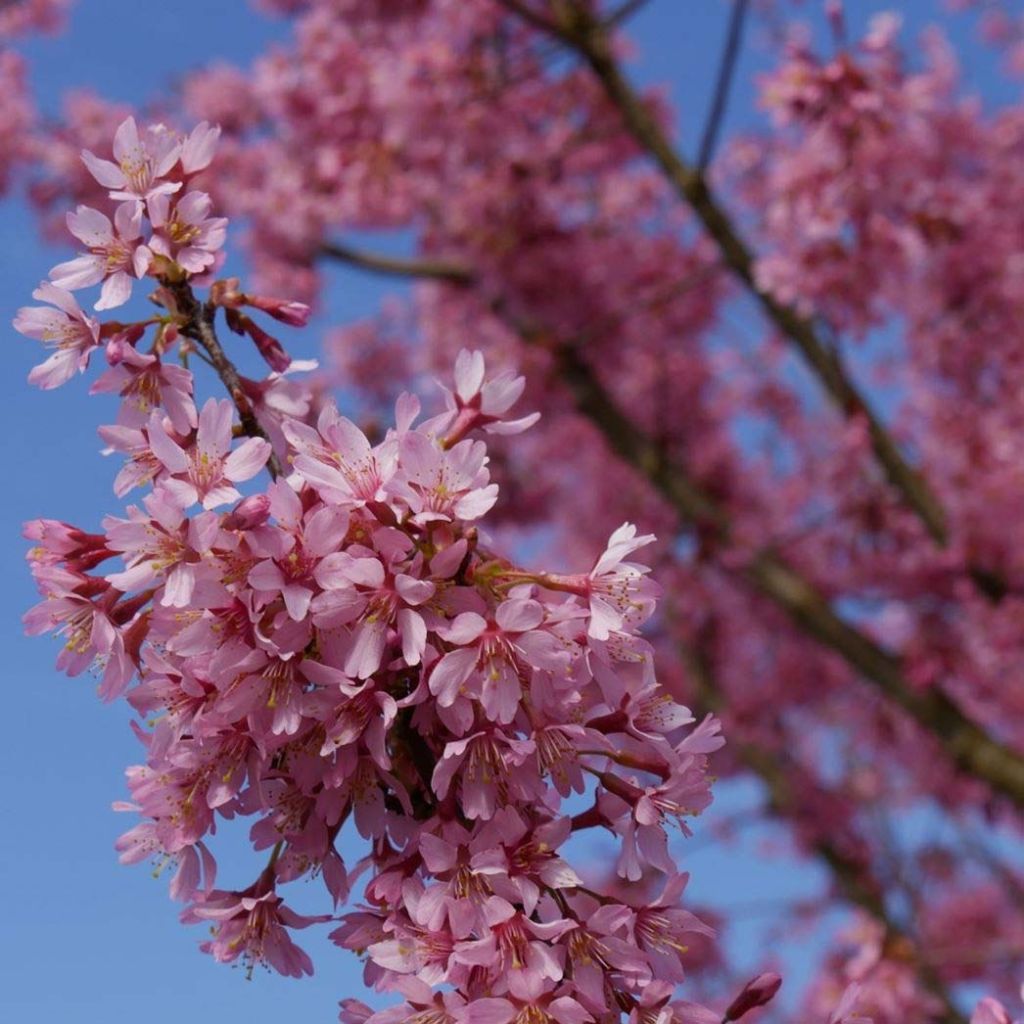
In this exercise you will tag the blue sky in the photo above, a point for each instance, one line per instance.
(81, 938)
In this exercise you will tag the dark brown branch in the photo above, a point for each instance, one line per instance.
(198, 323)
(853, 879)
(396, 266)
(969, 746)
(590, 39)
(723, 85)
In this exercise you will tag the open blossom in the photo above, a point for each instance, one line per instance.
(184, 231)
(145, 382)
(339, 461)
(499, 655)
(62, 326)
(370, 589)
(208, 469)
(91, 636)
(141, 160)
(115, 253)
(618, 591)
(444, 485)
(253, 925)
(162, 544)
(296, 549)
(478, 401)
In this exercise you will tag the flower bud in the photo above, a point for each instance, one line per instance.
(248, 513)
(757, 992)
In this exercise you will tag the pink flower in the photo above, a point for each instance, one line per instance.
(440, 485)
(374, 594)
(145, 382)
(184, 231)
(115, 253)
(142, 160)
(252, 924)
(478, 402)
(639, 816)
(351, 712)
(617, 590)
(662, 929)
(337, 459)
(599, 942)
(515, 948)
(66, 328)
(500, 653)
(90, 633)
(164, 546)
(297, 547)
(487, 765)
(141, 467)
(206, 472)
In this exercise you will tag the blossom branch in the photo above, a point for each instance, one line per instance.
(590, 39)
(968, 745)
(198, 323)
(396, 266)
(853, 879)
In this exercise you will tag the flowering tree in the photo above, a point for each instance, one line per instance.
(336, 644)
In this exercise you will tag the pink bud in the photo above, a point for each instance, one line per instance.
(248, 513)
(295, 314)
(353, 1011)
(125, 338)
(757, 992)
(267, 345)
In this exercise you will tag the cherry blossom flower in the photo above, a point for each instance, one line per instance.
(141, 161)
(207, 470)
(253, 925)
(478, 401)
(146, 383)
(444, 485)
(184, 231)
(115, 253)
(339, 461)
(62, 326)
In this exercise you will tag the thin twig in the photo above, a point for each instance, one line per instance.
(199, 325)
(723, 85)
(624, 13)
(589, 38)
(397, 266)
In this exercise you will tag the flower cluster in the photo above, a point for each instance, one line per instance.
(340, 649)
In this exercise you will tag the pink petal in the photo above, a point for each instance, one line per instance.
(247, 459)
